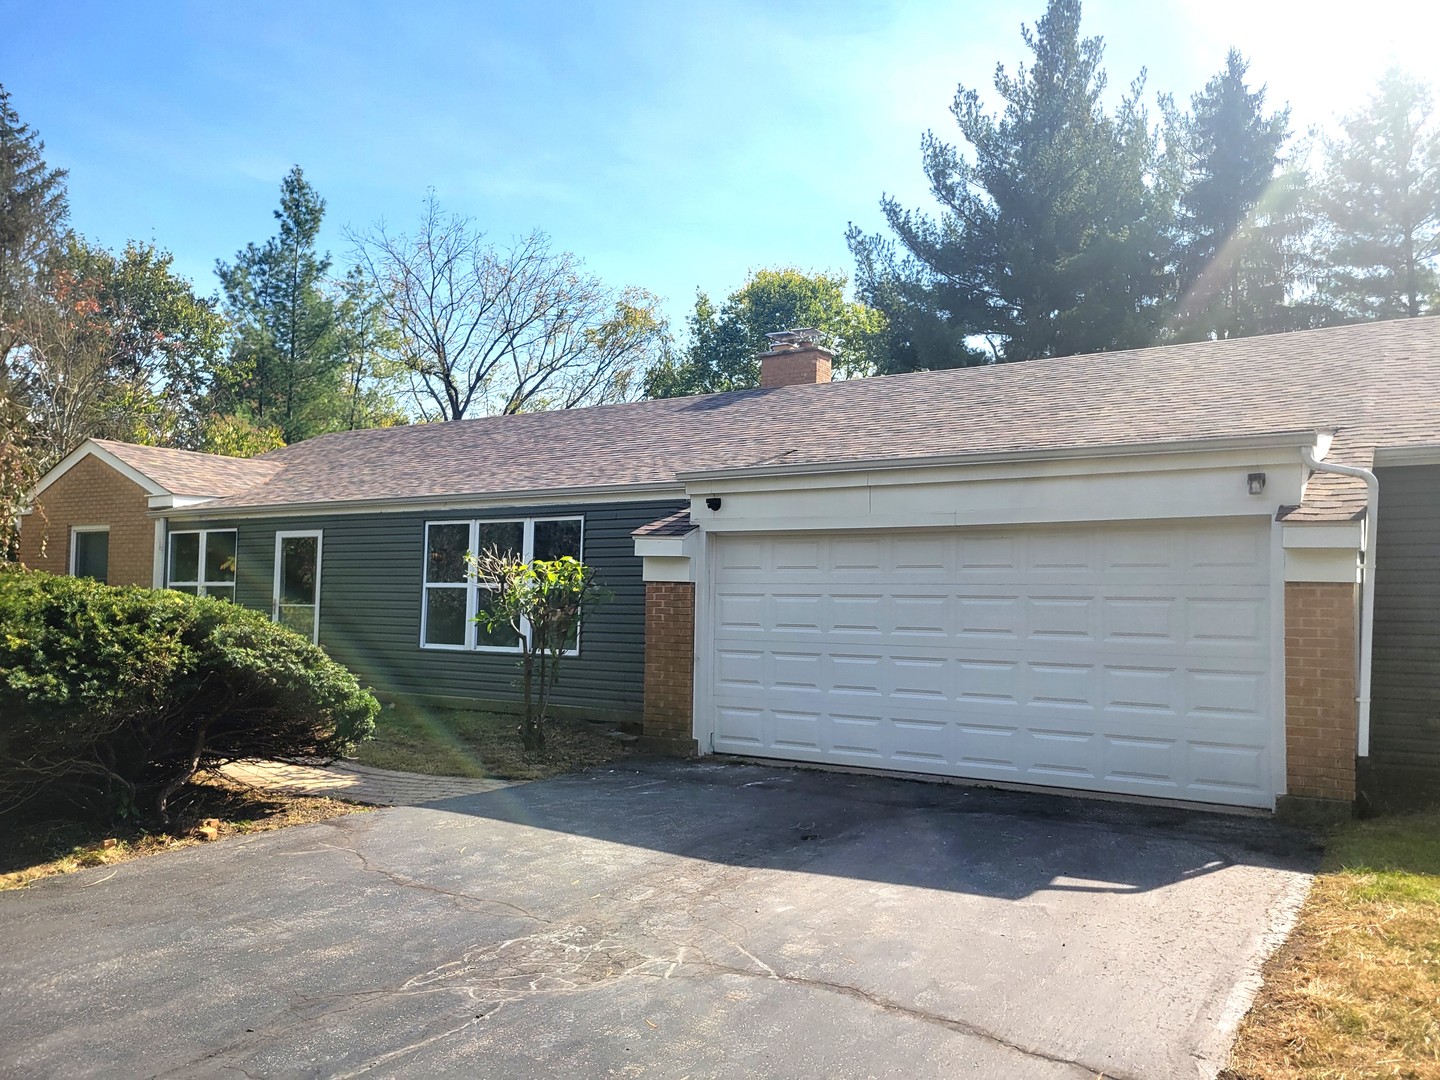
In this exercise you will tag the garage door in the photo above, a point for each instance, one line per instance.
(1120, 659)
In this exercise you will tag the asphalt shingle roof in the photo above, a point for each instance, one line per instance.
(185, 472)
(1377, 384)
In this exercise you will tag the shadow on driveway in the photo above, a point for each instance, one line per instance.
(985, 841)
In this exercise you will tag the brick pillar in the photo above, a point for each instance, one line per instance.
(1320, 709)
(669, 666)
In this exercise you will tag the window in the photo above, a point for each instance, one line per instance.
(297, 582)
(90, 552)
(202, 563)
(453, 598)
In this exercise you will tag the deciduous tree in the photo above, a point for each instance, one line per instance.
(543, 601)
(725, 341)
(114, 346)
(484, 328)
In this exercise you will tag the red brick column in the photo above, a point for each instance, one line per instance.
(669, 666)
(1320, 710)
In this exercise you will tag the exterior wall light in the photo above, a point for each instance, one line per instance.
(713, 502)
(1256, 483)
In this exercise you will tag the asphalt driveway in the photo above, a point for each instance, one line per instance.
(666, 920)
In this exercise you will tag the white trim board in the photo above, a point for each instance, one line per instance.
(90, 448)
(427, 504)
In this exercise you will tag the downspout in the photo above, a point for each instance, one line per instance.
(1367, 588)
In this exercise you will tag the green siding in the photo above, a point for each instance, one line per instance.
(1405, 691)
(370, 597)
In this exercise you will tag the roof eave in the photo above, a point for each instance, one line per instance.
(472, 500)
(1305, 437)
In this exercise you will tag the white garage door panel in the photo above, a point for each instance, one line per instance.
(1118, 659)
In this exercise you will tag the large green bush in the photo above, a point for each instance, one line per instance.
(112, 698)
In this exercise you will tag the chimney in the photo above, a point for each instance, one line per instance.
(796, 358)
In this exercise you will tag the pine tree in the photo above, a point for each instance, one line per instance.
(1056, 230)
(33, 215)
(286, 359)
(33, 226)
(1381, 201)
(1234, 210)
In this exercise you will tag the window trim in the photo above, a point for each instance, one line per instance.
(74, 547)
(201, 585)
(296, 534)
(472, 587)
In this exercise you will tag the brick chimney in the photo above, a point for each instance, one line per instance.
(796, 358)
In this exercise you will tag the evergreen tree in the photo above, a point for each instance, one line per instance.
(917, 335)
(1237, 212)
(33, 225)
(1056, 229)
(33, 215)
(286, 358)
(725, 341)
(1381, 201)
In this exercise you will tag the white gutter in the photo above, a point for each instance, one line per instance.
(1367, 588)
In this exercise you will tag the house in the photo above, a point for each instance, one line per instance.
(1150, 573)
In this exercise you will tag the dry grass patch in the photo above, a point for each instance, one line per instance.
(483, 745)
(1355, 992)
(30, 852)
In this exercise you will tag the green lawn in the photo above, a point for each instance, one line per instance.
(452, 742)
(1355, 992)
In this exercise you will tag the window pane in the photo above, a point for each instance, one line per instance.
(503, 636)
(445, 616)
(92, 555)
(184, 557)
(220, 556)
(297, 569)
(188, 590)
(300, 618)
(507, 536)
(447, 547)
(222, 592)
(556, 538)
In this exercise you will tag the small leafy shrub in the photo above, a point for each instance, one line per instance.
(112, 698)
(542, 601)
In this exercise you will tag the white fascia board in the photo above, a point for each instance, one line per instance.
(1341, 567)
(1307, 536)
(89, 448)
(1406, 455)
(678, 547)
(502, 500)
(168, 502)
(1281, 440)
(667, 568)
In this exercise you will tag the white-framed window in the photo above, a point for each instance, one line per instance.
(201, 562)
(90, 552)
(296, 599)
(452, 598)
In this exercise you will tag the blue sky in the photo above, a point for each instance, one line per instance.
(671, 146)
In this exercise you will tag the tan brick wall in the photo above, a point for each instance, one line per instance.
(796, 367)
(1320, 710)
(91, 493)
(669, 663)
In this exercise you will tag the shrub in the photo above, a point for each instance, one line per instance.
(542, 601)
(112, 698)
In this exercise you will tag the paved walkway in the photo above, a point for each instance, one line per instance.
(357, 783)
